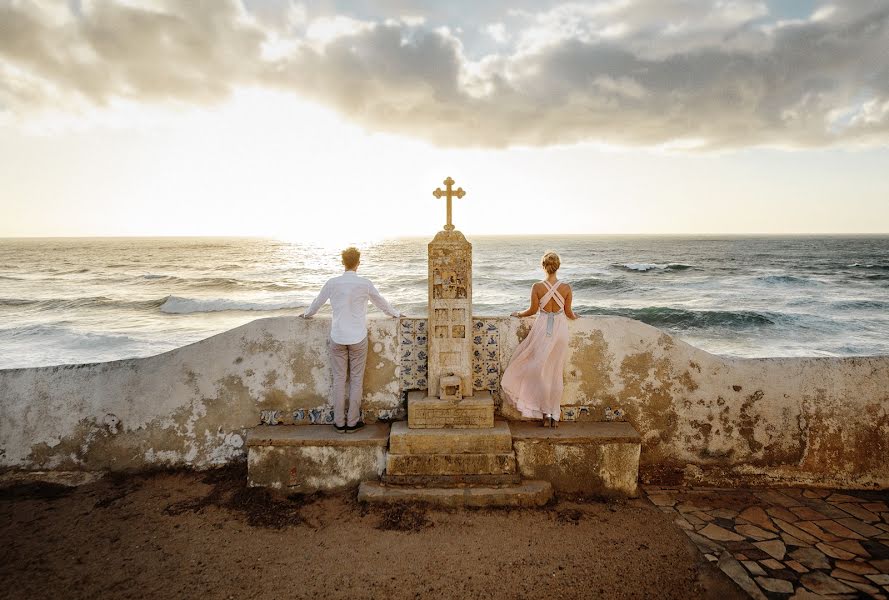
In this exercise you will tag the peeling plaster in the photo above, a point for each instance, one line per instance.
(806, 419)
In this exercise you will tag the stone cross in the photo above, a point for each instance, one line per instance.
(448, 193)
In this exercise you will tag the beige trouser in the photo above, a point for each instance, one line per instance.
(356, 356)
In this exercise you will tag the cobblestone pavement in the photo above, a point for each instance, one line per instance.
(788, 543)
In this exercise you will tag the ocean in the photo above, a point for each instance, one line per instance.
(66, 301)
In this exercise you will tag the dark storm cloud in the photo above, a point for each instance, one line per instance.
(632, 72)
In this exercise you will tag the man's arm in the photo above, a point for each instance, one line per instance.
(380, 302)
(323, 296)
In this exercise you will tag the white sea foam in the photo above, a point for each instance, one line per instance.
(182, 306)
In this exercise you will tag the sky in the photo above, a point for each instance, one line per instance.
(335, 120)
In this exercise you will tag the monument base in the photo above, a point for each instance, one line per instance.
(525, 494)
(427, 412)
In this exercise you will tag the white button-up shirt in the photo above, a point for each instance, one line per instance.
(348, 295)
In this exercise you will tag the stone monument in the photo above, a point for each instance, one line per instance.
(451, 438)
(449, 401)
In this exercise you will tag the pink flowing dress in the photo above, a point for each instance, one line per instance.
(532, 382)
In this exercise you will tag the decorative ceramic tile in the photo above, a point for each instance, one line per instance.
(569, 413)
(486, 354)
(270, 417)
(412, 353)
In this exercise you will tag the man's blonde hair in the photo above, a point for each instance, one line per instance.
(351, 256)
(551, 262)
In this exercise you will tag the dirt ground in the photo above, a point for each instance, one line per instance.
(188, 535)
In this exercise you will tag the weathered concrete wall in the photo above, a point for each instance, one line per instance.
(820, 421)
(188, 406)
(806, 420)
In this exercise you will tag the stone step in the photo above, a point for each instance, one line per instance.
(593, 458)
(525, 494)
(452, 480)
(426, 412)
(450, 464)
(497, 440)
(311, 458)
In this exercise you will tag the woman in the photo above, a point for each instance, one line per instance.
(532, 382)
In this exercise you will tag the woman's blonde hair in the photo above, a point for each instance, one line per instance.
(351, 256)
(551, 262)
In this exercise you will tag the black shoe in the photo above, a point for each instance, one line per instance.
(355, 427)
(341, 428)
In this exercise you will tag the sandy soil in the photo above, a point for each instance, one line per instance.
(187, 535)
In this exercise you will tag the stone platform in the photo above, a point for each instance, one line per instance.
(312, 458)
(596, 458)
(526, 493)
(427, 412)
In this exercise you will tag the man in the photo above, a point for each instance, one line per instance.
(348, 295)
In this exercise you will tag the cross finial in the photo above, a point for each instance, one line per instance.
(448, 193)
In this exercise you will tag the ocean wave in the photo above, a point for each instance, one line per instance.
(180, 306)
(16, 302)
(645, 267)
(219, 283)
(83, 302)
(860, 304)
(869, 266)
(65, 336)
(680, 318)
(785, 279)
(591, 283)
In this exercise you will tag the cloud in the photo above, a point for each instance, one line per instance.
(636, 72)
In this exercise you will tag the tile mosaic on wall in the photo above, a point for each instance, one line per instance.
(413, 348)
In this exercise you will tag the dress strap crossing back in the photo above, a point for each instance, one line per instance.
(552, 292)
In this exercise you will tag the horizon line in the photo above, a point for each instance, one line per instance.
(420, 236)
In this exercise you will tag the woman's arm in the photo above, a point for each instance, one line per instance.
(535, 304)
(568, 311)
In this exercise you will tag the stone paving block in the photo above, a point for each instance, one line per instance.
(717, 533)
(862, 529)
(882, 565)
(815, 531)
(757, 516)
(771, 563)
(852, 546)
(816, 493)
(866, 588)
(796, 531)
(811, 558)
(776, 497)
(774, 548)
(820, 583)
(846, 576)
(789, 540)
(838, 530)
(779, 512)
(778, 586)
(860, 568)
(838, 497)
(753, 567)
(736, 571)
(807, 514)
(796, 566)
(834, 552)
(859, 512)
(752, 531)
